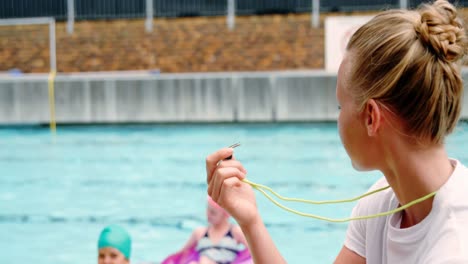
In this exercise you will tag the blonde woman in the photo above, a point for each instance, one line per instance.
(399, 89)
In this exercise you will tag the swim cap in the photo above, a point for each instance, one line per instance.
(116, 237)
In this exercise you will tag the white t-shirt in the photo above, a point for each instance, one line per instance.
(442, 237)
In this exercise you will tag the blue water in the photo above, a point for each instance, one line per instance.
(58, 192)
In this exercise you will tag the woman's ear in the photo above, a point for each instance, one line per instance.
(373, 117)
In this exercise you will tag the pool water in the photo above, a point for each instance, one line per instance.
(58, 192)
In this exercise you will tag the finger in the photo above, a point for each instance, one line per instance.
(232, 146)
(232, 157)
(227, 164)
(220, 176)
(232, 163)
(213, 159)
(229, 183)
(212, 185)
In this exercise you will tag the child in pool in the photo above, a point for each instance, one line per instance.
(220, 242)
(114, 245)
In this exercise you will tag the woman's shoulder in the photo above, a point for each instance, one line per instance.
(454, 190)
(235, 229)
(376, 202)
(381, 192)
(380, 183)
(237, 233)
(199, 232)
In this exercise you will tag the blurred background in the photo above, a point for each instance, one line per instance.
(109, 107)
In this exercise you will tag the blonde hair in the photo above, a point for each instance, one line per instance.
(409, 61)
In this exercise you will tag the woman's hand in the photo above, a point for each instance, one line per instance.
(226, 188)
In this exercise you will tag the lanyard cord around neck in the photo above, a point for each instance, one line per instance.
(263, 188)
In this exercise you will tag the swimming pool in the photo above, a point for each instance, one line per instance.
(57, 193)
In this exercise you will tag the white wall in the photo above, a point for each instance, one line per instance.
(216, 97)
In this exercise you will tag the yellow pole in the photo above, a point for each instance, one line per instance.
(53, 125)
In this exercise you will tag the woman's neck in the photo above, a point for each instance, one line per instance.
(221, 226)
(216, 232)
(418, 172)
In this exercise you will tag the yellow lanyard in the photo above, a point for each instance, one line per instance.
(263, 189)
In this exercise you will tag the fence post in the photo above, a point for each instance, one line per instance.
(70, 15)
(231, 13)
(315, 13)
(149, 16)
(404, 4)
(52, 50)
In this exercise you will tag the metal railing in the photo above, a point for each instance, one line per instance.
(109, 9)
(190, 8)
(72, 10)
(33, 8)
(114, 9)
